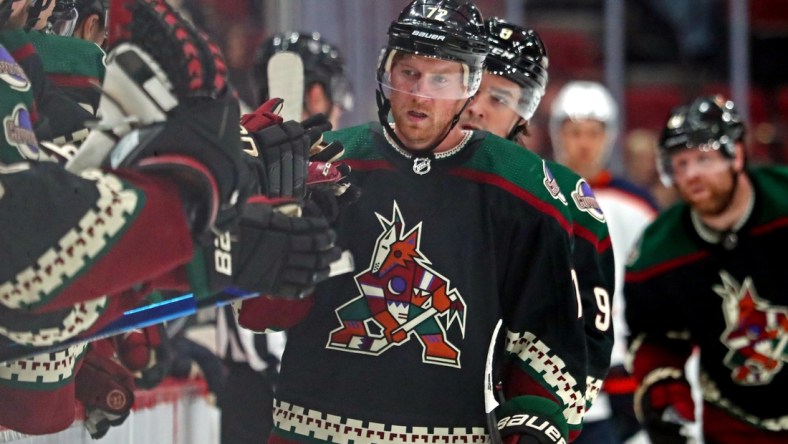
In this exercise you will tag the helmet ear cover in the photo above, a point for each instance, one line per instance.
(708, 123)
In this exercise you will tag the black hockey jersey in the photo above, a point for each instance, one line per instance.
(443, 248)
(688, 286)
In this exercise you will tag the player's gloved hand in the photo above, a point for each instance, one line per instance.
(105, 388)
(665, 408)
(282, 255)
(531, 420)
(166, 108)
(328, 187)
(278, 150)
(146, 352)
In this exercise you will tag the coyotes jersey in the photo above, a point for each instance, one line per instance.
(687, 285)
(443, 247)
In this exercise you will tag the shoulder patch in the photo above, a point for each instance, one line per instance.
(18, 130)
(585, 200)
(552, 185)
(12, 73)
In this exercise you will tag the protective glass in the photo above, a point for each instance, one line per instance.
(522, 100)
(423, 76)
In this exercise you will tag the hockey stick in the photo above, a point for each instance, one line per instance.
(286, 81)
(490, 401)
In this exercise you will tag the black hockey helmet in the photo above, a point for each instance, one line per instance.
(518, 54)
(64, 17)
(708, 123)
(5, 11)
(322, 61)
(442, 29)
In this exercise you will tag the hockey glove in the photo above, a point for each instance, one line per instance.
(665, 407)
(531, 420)
(105, 388)
(282, 255)
(165, 107)
(278, 150)
(146, 352)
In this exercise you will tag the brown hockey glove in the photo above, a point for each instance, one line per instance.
(665, 407)
(531, 420)
(105, 388)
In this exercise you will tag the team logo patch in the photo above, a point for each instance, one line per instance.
(585, 200)
(756, 332)
(18, 128)
(401, 298)
(12, 73)
(552, 185)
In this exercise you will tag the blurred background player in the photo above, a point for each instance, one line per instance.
(252, 360)
(583, 129)
(513, 85)
(327, 89)
(706, 274)
(84, 19)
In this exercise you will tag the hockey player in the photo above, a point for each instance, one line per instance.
(53, 284)
(454, 230)
(583, 128)
(707, 273)
(514, 82)
(85, 19)
(326, 86)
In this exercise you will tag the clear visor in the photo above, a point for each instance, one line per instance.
(429, 77)
(521, 100)
(65, 23)
(341, 93)
(689, 162)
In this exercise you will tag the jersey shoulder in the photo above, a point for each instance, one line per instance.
(664, 240)
(519, 171)
(771, 183)
(357, 140)
(587, 215)
(69, 55)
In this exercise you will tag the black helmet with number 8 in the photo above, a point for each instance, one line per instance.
(518, 54)
(442, 29)
(708, 123)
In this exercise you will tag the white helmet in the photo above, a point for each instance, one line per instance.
(584, 100)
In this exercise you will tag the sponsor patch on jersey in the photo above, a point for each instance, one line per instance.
(402, 299)
(552, 185)
(756, 334)
(585, 200)
(12, 73)
(18, 129)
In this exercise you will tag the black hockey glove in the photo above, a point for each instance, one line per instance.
(166, 108)
(665, 408)
(278, 150)
(283, 255)
(328, 187)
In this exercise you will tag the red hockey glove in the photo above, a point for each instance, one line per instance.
(105, 388)
(146, 352)
(665, 407)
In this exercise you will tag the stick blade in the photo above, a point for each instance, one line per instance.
(286, 81)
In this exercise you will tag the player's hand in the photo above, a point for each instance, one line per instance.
(278, 150)
(666, 409)
(328, 186)
(166, 108)
(105, 388)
